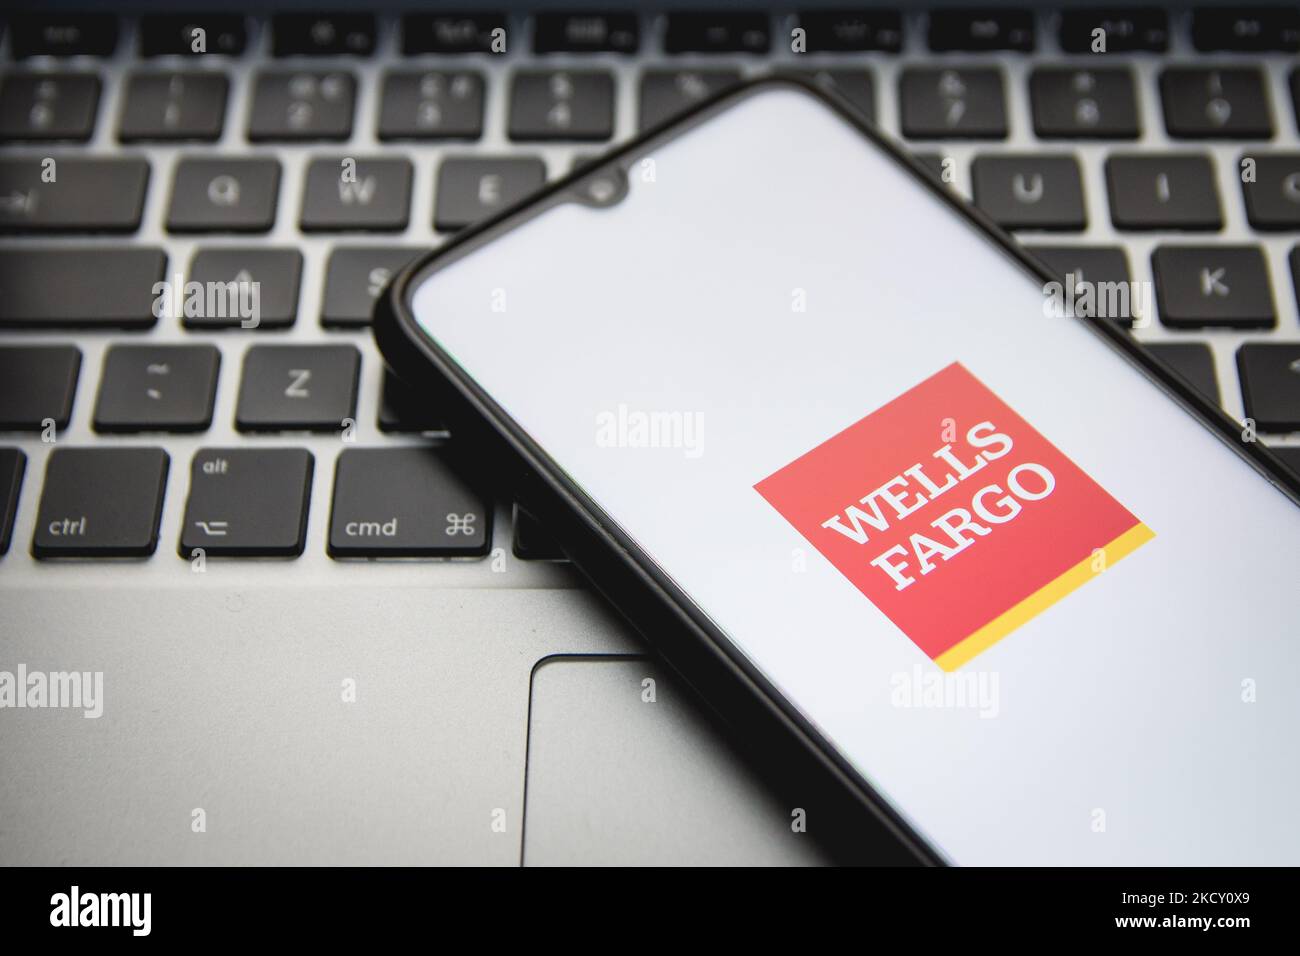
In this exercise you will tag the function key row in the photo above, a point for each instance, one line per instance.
(577, 105)
(1256, 28)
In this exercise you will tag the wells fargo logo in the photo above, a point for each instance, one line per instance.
(958, 536)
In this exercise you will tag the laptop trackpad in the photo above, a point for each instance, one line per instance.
(624, 771)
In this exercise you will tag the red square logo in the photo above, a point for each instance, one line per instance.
(953, 515)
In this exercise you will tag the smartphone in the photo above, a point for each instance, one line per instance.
(812, 423)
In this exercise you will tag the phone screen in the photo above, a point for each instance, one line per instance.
(1045, 613)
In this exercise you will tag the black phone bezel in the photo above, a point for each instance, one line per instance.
(792, 749)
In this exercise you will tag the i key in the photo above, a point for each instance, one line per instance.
(100, 503)
(247, 502)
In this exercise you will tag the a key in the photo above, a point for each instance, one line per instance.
(48, 106)
(1213, 285)
(85, 195)
(529, 540)
(13, 463)
(1193, 361)
(1123, 30)
(1249, 29)
(1209, 103)
(1101, 268)
(224, 195)
(717, 33)
(90, 287)
(252, 288)
(402, 410)
(185, 34)
(856, 86)
(63, 34)
(1162, 192)
(301, 105)
(298, 388)
(431, 104)
(157, 388)
(1084, 104)
(167, 106)
(469, 189)
(952, 103)
(1272, 191)
(666, 93)
(981, 30)
(354, 278)
(1270, 384)
(454, 33)
(844, 31)
(100, 503)
(358, 194)
(561, 104)
(1030, 191)
(247, 502)
(37, 385)
(581, 32)
(405, 503)
(322, 34)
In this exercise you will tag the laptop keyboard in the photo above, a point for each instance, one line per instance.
(191, 431)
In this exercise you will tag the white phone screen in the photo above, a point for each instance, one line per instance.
(1047, 615)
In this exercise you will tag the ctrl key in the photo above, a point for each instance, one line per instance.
(405, 503)
(101, 503)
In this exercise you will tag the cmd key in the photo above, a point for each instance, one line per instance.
(90, 287)
(86, 195)
(101, 503)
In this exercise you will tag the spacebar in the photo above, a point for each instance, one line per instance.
(79, 287)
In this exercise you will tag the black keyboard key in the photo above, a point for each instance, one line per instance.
(1193, 361)
(1294, 259)
(405, 503)
(1084, 104)
(1104, 270)
(354, 279)
(717, 33)
(952, 103)
(431, 104)
(844, 31)
(562, 104)
(192, 34)
(1123, 30)
(167, 106)
(13, 463)
(1162, 192)
(582, 32)
(401, 409)
(470, 189)
(666, 93)
(855, 85)
(63, 34)
(157, 388)
(247, 502)
(1200, 286)
(1247, 29)
(298, 388)
(322, 34)
(40, 107)
(101, 503)
(530, 541)
(37, 385)
(358, 194)
(1295, 94)
(1030, 191)
(86, 195)
(1270, 384)
(91, 287)
(1208, 103)
(224, 195)
(1273, 192)
(980, 30)
(248, 288)
(1290, 457)
(302, 105)
(454, 33)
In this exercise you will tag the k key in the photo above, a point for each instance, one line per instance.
(1213, 285)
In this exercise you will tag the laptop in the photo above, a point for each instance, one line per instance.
(258, 607)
